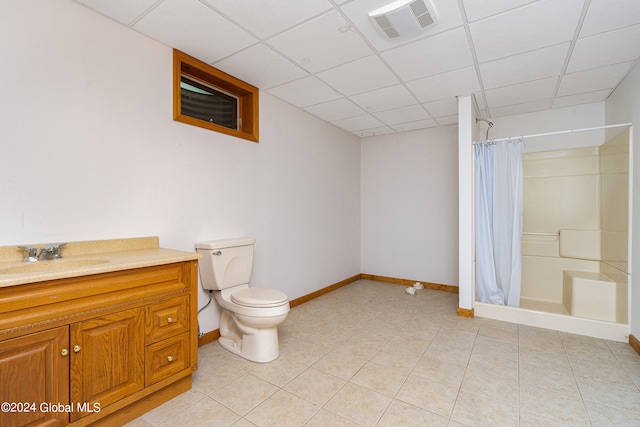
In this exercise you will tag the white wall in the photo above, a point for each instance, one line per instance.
(409, 205)
(623, 105)
(88, 150)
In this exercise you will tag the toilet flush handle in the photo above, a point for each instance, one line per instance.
(216, 253)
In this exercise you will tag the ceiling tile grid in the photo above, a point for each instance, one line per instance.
(327, 57)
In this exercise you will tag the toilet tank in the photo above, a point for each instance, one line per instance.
(226, 262)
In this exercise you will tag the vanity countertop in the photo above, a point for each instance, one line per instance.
(86, 258)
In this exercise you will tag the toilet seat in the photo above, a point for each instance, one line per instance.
(259, 297)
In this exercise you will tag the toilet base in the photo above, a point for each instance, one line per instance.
(261, 347)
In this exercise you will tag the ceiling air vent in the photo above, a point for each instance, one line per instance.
(404, 17)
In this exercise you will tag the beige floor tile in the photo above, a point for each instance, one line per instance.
(610, 371)
(243, 423)
(340, 363)
(549, 379)
(244, 394)
(177, 404)
(380, 378)
(546, 359)
(298, 351)
(324, 418)
(278, 372)
(209, 378)
(625, 398)
(491, 386)
(606, 416)
(499, 334)
(359, 404)
(448, 353)
(206, 412)
(439, 371)
(542, 339)
(395, 357)
(429, 395)
(474, 410)
(553, 405)
(139, 422)
(495, 349)
(282, 409)
(402, 414)
(315, 386)
(483, 362)
(531, 419)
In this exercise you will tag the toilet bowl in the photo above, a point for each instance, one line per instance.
(250, 316)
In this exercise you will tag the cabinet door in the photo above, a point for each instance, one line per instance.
(34, 371)
(107, 359)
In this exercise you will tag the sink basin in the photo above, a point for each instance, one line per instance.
(50, 266)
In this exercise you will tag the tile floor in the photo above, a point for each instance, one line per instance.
(369, 354)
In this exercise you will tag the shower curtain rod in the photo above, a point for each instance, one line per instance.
(551, 133)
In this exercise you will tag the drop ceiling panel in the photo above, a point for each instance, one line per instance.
(362, 75)
(530, 27)
(437, 54)
(525, 107)
(521, 93)
(395, 116)
(477, 10)
(384, 99)
(606, 15)
(326, 56)
(534, 65)
(335, 110)
(442, 107)
(321, 43)
(305, 92)
(274, 69)
(123, 11)
(594, 79)
(420, 124)
(190, 26)
(354, 124)
(606, 48)
(447, 120)
(266, 18)
(445, 85)
(582, 98)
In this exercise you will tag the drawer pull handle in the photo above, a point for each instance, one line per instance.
(169, 319)
(76, 348)
(64, 352)
(170, 358)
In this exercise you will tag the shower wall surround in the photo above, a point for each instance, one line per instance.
(576, 216)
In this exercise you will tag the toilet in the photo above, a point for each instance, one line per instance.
(250, 316)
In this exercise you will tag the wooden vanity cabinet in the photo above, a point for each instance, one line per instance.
(34, 368)
(107, 347)
(107, 359)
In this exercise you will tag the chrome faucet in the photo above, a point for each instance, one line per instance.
(30, 253)
(46, 253)
(50, 252)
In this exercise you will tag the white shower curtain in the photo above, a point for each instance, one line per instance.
(498, 222)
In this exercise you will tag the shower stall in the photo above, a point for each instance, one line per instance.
(575, 243)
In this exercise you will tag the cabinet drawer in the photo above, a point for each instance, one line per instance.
(167, 319)
(166, 358)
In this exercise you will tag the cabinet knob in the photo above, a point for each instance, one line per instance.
(169, 319)
(76, 348)
(64, 352)
(170, 358)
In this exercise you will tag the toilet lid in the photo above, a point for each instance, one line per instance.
(259, 297)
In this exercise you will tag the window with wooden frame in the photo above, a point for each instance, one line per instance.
(212, 99)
